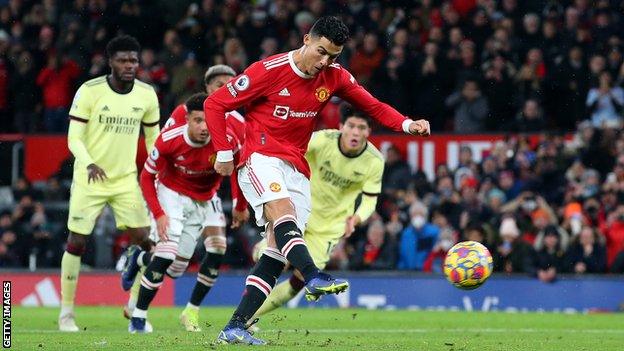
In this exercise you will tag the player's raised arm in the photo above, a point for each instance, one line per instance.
(238, 92)
(150, 121)
(351, 91)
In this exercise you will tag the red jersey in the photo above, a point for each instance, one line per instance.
(185, 167)
(234, 121)
(281, 105)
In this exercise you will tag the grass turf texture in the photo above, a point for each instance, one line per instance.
(327, 329)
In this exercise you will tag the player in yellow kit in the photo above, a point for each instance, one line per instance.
(344, 164)
(105, 120)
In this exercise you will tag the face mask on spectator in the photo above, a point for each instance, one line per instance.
(418, 221)
(590, 191)
(575, 225)
(529, 205)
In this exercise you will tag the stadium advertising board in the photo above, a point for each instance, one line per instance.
(421, 153)
(93, 289)
(509, 294)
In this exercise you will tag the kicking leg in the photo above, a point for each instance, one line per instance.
(257, 287)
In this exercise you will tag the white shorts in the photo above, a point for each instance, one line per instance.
(187, 218)
(265, 178)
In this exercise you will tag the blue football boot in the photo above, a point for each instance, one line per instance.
(324, 284)
(131, 267)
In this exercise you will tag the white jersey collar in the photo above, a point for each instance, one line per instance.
(191, 142)
(296, 69)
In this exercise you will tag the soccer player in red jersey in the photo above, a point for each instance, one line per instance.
(282, 95)
(213, 234)
(181, 202)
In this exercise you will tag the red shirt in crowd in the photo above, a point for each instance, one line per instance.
(58, 84)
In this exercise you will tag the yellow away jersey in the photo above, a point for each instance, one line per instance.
(337, 180)
(113, 124)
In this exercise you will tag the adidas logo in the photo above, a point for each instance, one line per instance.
(180, 158)
(45, 294)
(284, 92)
(105, 108)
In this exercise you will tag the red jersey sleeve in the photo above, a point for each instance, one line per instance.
(238, 92)
(350, 90)
(154, 164)
(177, 118)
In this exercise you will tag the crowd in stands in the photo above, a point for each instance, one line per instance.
(520, 66)
(466, 65)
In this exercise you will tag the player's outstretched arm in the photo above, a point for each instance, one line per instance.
(385, 114)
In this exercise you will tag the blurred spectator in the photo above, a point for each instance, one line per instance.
(530, 118)
(396, 171)
(471, 108)
(366, 59)
(549, 260)
(499, 89)
(512, 255)
(376, 251)
(417, 240)
(446, 239)
(613, 229)
(6, 72)
(587, 254)
(10, 250)
(571, 83)
(57, 83)
(605, 102)
(186, 79)
(530, 77)
(25, 94)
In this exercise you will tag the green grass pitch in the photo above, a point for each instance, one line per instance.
(328, 329)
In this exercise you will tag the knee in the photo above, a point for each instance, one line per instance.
(140, 236)
(76, 244)
(167, 251)
(216, 244)
(177, 268)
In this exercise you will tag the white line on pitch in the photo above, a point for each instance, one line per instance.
(387, 331)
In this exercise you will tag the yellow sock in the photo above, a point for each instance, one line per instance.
(70, 268)
(281, 294)
(134, 291)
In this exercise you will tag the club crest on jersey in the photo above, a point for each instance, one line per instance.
(322, 94)
(281, 111)
(212, 158)
(242, 83)
(275, 187)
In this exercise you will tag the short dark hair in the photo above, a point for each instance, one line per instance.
(122, 43)
(332, 28)
(196, 102)
(347, 110)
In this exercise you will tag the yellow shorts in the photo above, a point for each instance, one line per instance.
(320, 247)
(124, 196)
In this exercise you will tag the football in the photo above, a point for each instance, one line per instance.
(468, 264)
